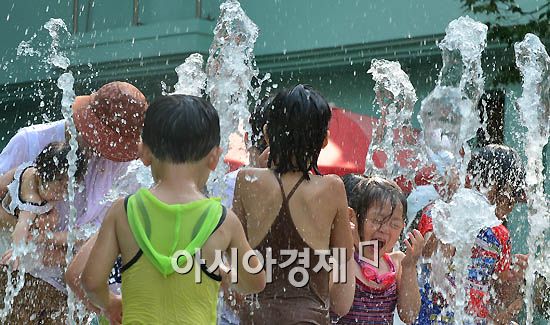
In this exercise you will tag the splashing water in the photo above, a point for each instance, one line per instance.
(534, 104)
(396, 98)
(191, 77)
(464, 42)
(26, 252)
(456, 225)
(448, 127)
(65, 84)
(465, 39)
(55, 26)
(230, 70)
(25, 48)
(137, 174)
(449, 119)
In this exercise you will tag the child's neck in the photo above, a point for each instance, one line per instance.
(368, 253)
(178, 183)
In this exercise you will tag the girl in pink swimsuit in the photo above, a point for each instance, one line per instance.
(384, 279)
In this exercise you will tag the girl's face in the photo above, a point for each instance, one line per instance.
(54, 190)
(384, 226)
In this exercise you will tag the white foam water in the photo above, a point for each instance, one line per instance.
(27, 253)
(464, 42)
(534, 105)
(396, 97)
(449, 118)
(56, 26)
(230, 70)
(137, 175)
(462, 47)
(191, 76)
(448, 121)
(456, 225)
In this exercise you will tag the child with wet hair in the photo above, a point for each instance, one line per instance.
(28, 201)
(384, 279)
(288, 206)
(497, 172)
(149, 228)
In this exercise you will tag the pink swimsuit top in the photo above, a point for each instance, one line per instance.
(371, 273)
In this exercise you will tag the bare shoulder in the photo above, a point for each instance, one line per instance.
(334, 181)
(256, 172)
(222, 237)
(116, 213)
(254, 178)
(331, 185)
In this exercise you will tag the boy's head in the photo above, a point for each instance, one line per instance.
(381, 209)
(52, 167)
(181, 129)
(498, 171)
(297, 129)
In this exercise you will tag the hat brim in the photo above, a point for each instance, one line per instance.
(106, 141)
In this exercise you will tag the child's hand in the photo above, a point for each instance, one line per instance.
(113, 312)
(6, 258)
(415, 243)
(262, 159)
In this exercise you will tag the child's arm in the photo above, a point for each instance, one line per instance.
(342, 294)
(24, 223)
(247, 282)
(100, 262)
(74, 273)
(408, 294)
(237, 206)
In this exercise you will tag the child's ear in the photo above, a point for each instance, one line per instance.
(325, 142)
(266, 137)
(214, 157)
(145, 154)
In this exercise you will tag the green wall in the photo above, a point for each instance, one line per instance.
(327, 43)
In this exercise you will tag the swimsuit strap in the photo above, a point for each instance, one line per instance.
(14, 191)
(388, 260)
(286, 198)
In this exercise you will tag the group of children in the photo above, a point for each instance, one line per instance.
(283, 207)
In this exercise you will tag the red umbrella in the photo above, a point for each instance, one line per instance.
(350, 136)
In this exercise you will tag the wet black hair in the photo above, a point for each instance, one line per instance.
(350, 182)
(376, 190)
(500, 166)
(52, 164)
(257, 120)
(297, 125)
(181, 128)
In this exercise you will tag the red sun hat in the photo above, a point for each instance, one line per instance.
(111, 119)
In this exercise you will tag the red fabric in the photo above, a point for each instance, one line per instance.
(349, 140)
(503, 235)
(425, 225)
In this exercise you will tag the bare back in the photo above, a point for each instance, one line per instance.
(290, 213)
(315, 205)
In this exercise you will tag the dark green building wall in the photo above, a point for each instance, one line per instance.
(326, 43)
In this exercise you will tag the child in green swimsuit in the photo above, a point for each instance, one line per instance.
(158, 230)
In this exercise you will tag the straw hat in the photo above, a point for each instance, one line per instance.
(111, 119)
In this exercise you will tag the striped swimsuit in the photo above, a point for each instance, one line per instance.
(371, 305)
